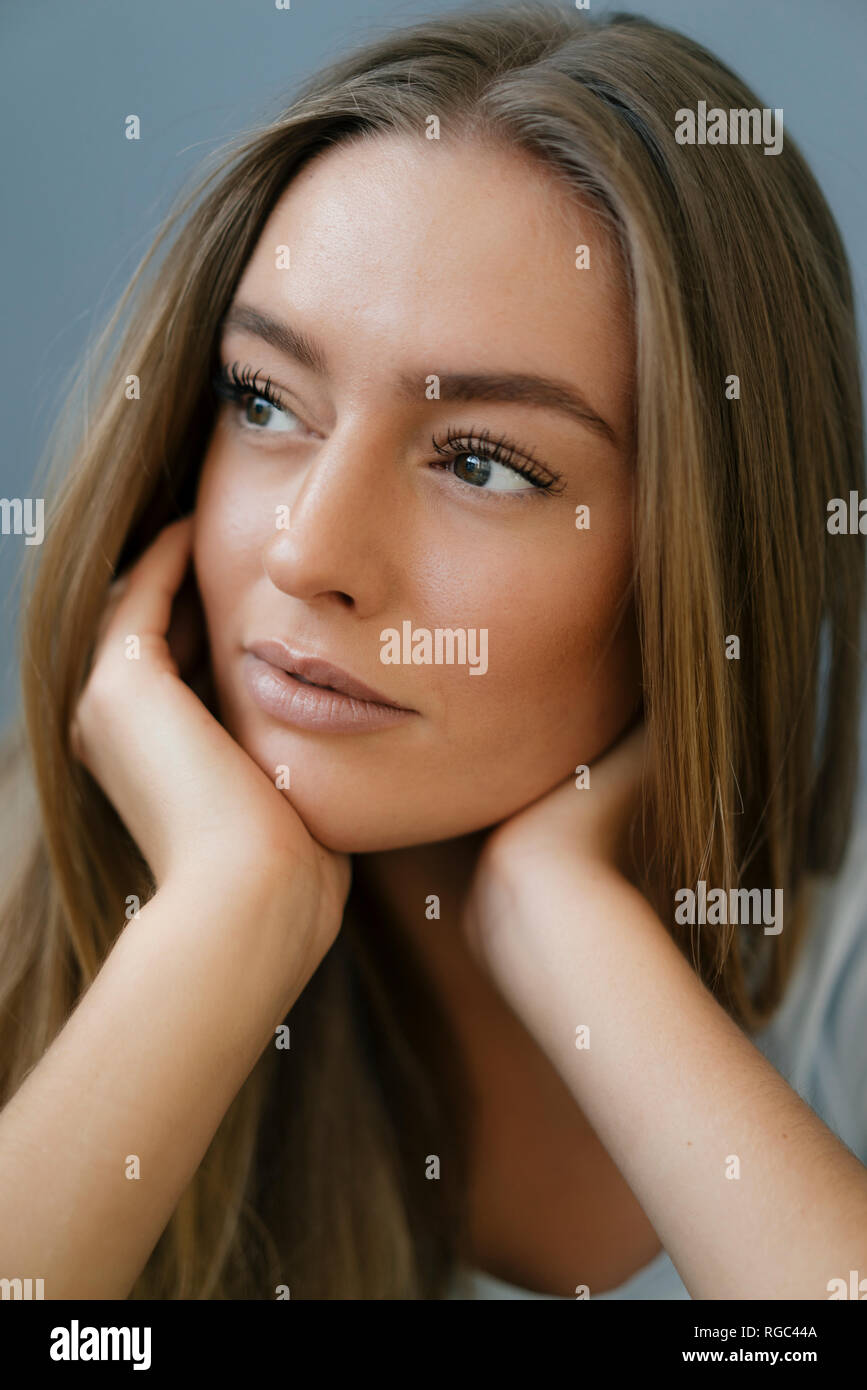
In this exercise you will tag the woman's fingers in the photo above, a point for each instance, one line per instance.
(144, 606)
(191, 797)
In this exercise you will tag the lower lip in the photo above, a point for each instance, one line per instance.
(313, 707)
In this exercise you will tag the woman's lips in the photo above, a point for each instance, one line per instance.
(305, 706)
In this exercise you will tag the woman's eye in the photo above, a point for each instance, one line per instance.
(258, 413)
(483, 472)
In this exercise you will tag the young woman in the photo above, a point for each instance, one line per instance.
(426, 860)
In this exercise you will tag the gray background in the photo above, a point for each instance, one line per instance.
(81, 203)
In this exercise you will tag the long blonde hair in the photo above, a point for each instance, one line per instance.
(315, 1177)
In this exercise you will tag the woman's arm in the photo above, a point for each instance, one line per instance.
(675, 1091)
(673, 1088)
(247, 905)
(146, 1066)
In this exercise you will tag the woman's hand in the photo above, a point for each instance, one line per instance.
(573, 844)
(194, 801)
(592, 822)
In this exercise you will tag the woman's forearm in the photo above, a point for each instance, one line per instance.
(749, 1191)
(105, 1133)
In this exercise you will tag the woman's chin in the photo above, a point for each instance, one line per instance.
(369, 810)
(352, 831)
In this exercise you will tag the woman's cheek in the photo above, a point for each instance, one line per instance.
(564, 669)
(229, 521)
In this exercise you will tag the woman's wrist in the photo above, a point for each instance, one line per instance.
(258, 930)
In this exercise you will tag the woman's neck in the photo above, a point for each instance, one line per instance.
(405, 879)
(514, 1086)
(423, 889)
(494, 1042)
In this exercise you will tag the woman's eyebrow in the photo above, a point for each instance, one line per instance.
(279, 334)
(526, 388)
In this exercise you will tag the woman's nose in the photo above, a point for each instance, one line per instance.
(343, 529)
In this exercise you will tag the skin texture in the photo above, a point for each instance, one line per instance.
(476, 272)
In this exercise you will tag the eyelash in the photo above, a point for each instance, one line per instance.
(236, 386)
(454, 445)
(232, 385)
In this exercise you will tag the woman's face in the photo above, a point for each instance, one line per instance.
(394, 286)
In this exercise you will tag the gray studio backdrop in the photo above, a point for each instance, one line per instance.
(81, 202)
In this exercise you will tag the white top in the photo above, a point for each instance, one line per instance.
(817, 1040)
